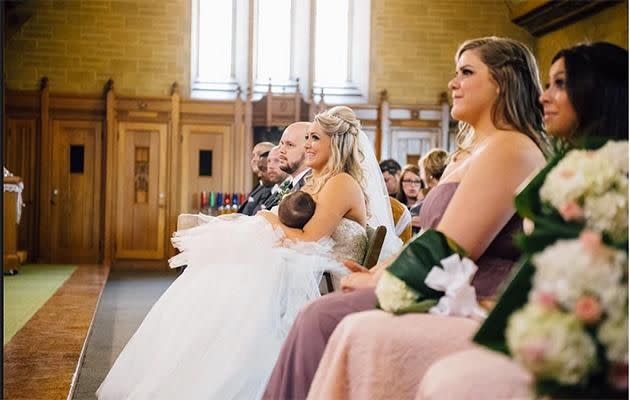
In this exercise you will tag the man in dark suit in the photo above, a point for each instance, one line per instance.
(291, 157)
(292, 153)
(259, 190)
(281, 180)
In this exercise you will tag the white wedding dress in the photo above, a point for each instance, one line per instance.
(217, 330)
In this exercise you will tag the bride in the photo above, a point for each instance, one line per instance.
(217, 330)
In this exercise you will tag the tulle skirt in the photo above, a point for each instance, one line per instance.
(217, 330)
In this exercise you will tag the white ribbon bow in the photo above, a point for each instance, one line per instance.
(454, 280)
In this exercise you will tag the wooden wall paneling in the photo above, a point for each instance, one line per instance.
(109, 172)
(240, 153)
(141, 190)
(174, 168)
(248, 143)
(75, 211)
(216, 138)
(21, 158)
(45, 176)
(10, 260)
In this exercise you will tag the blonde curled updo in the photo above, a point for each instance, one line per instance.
(342, 126)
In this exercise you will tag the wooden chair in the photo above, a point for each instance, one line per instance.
(376, 236)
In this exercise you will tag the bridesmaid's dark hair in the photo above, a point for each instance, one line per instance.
(597, 85)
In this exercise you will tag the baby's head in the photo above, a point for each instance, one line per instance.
(296, 209)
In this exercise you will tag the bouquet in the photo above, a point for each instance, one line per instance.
(564, 315)
(432, 275)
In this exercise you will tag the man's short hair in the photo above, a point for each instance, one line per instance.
(390, 166)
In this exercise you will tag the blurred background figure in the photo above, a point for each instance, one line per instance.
(410, 188)
(431, 167)
(391, 173)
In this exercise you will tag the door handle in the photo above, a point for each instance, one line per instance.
(161, 200)
(53, 198)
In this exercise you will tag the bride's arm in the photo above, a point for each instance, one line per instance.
(338, 196)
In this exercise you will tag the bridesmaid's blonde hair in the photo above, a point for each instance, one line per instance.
(513, 67)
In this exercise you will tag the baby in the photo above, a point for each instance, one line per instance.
(296, 209)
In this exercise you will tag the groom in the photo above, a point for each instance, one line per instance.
(291, 155)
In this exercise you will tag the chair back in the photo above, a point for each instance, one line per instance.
(376, 236)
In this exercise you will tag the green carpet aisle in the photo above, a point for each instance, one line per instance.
(27, 291)
(127, 298)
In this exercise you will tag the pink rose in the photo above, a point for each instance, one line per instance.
(588, 309)
(546, 300)
(534, 352)
(571, 211)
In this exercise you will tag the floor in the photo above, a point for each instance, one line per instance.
(127, 298)
(41, 360)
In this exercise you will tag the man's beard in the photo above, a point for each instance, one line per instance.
(290, 168)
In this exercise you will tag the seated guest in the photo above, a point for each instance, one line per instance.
(391, 173)
(296, 209)
(432, 166)
(409, 190)
(259, 148)
(292, 157)
(281, 179)
(266, 182)
(587, 96)
(402, 219)
(495, 93)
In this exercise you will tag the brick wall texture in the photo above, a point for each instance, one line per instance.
(610, 25)
(144, 45)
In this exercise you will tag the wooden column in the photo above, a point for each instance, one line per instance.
(10, 226)
(174, 168)
(444, 123)
(110, 172)
(381, 116)
(249, 138)
(46, 172)
(239, 152)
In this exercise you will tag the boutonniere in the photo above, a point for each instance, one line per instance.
(285, 189)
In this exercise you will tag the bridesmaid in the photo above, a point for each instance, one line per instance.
(495, 92)
(587, 95)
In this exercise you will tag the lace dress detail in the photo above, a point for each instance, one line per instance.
(350, 241)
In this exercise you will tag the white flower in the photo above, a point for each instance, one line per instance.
(579, 173)
(616, 153)
(608, 213)
(551, 344)
(569, 270)
(394, 294)
(592, 186)
(613, 334)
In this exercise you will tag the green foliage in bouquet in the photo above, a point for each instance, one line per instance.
(554, 246)
(411, 268)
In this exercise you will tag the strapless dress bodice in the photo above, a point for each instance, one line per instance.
(350, 241)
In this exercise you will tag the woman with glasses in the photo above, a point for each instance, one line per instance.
(409, 191)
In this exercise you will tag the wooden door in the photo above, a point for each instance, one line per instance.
(141, 191)
(20, 157)
(206, 163)
(75, 210)
(409, 145)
